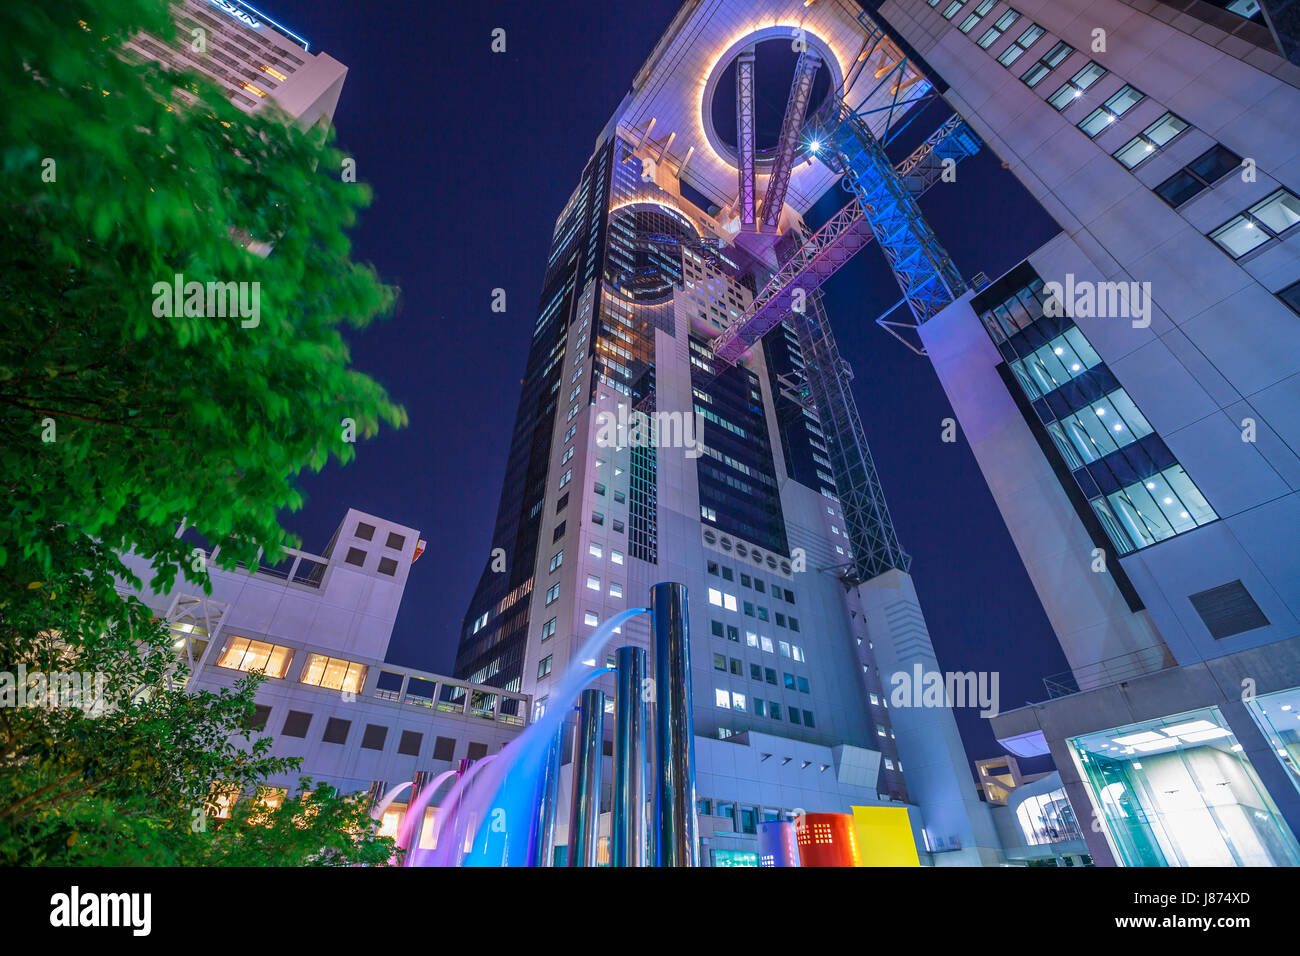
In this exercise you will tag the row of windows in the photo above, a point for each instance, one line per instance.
(734, 700)
(374, 737)
(245, 654)
(728, 602)
(753, 639)
(755, 582)
(759, 673)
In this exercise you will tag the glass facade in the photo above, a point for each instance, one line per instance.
(1130, 478)
(1178, 791)
(1047, 818)
(1278, 716)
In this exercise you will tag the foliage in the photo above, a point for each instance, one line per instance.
(118, 422)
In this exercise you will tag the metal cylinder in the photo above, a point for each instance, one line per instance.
(584, 812)
(678, 843)
(627, 836)
(548, 797)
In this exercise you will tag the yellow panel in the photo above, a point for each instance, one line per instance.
(884, 837)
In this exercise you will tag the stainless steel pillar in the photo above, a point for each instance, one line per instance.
(627, 836)
(548, 798)
(584, 813)
(678, 843)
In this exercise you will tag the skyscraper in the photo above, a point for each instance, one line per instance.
(734, 482)
(253, 58)
(1131, 392)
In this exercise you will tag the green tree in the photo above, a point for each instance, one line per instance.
(119, 419)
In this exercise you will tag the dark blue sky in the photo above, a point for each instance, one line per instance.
(471, 156)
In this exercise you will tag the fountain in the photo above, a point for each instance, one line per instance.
(502, 811)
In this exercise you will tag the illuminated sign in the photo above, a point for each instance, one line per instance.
(734, 858)
(245, 18)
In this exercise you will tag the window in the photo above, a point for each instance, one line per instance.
(716, 627)
(618, 527)
(620, 498)
(296, 723)
(1154, 509)
(719, 662)
(1075, 87)
(803, 685)
(774, 710)
(599, 488)
(597, 518)
(737, 701)
(715, 597)
(593, 583)
(760, 707)
(789, 681)
(999, 27)
(728, 574)
(374, 737)
(444, 748)
(794, 716)
(1291, 296)
(729, 601)
(336, 730)
(1198, 175)
(557, 559)
(356, 557)
(590, 618)
(713, 568)
(544, 666)
(1050, 61)
(797, 652)
(762, 614)
(745, 580)
(1149, 140)
(616, 557)
(756, 672)
(766, 644)
(808, 719)
(1050, 366)
(749, 609)
(785, 648)
(1257, 225)
(737, 668)
(722, 698)
(395, 541)
(559, 532)
(562, 503)
(769, 675)
(552, 594)
(1115, 107)
(953, 7)
(387, 566)
(548, 630)
(366, 532)
(595, 550)
(1099, 428)
(1022, 43)
(243, 654)
(733, 633)
(751, 638)
(334, 673)
(566, 477)
(616, 590)
(972, 21)
(794, 624)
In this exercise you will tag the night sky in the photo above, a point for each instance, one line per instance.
(471, 156)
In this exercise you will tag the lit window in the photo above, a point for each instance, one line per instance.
(767, 644)
(590, 619)
(595, 550)
(544, 667)
(616, 590)
(593, 583)
(548, 629)
(1149, 140)
(1075, 87)
(1258, 224)
(715, 597)
(616, 557)
(737, 701)
(557, 559)
(242, 654)
(1115, 107)
(729, 601)
(334, 673)
(552, 593)
(722, 698)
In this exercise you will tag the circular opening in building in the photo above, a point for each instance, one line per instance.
(774, 63)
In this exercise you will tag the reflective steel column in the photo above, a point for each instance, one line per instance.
(584, 814)
(678, 843)
(548, 797)
(627, 836)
